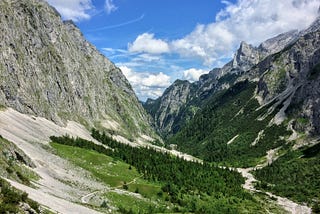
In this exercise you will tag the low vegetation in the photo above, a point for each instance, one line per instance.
(13, 165)
(190, 186)
(111, 171)
(11, 199)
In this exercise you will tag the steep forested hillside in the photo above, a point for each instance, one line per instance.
(226, 129)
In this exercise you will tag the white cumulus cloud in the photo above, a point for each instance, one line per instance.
(148, 44)
(146, 84)
(159, 80)
(193, 74)
(75, 10)
(110, 6)
(252, 21)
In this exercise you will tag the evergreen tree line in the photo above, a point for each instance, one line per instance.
(294, 175)
(184, 182)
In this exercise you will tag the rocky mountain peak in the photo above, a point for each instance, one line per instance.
(245, 48)
(278, 42)
(178, 91)
(239, 68)
(149, 101)
(167, 107)
(245, 56)
(213, 74)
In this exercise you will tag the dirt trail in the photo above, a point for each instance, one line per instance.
(287, 204)
(86, 198)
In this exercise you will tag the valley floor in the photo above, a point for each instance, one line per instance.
(63, 188)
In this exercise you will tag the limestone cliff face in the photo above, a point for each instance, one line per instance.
(166, 109)
(291, 78)
(48, 69)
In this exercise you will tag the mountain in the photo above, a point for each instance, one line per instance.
(172, 110)
(265, 118)
(166, 108)
(53, 83)
(75, 139)
(281, 75)
(48, 69)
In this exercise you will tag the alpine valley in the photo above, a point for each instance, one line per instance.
(74, 137)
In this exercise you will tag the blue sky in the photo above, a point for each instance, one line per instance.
(155, 42)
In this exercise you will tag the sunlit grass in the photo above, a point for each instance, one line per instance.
(115, 173)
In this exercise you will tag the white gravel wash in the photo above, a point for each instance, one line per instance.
(61, 182)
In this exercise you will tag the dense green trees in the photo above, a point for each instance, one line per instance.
(194, 186)
(294, 175)
(227, 114)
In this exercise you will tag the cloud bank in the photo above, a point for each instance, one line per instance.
(193, 74)
(148, 44)
(252, 21)
(78, 10)
(146, 84)
(75, 10)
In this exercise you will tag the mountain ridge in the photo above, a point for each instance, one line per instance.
(217, 79)
(253, 112)
(49, 69)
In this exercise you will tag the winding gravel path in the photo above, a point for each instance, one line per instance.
(86, 198)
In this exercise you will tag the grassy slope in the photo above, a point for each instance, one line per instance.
(113, 173)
